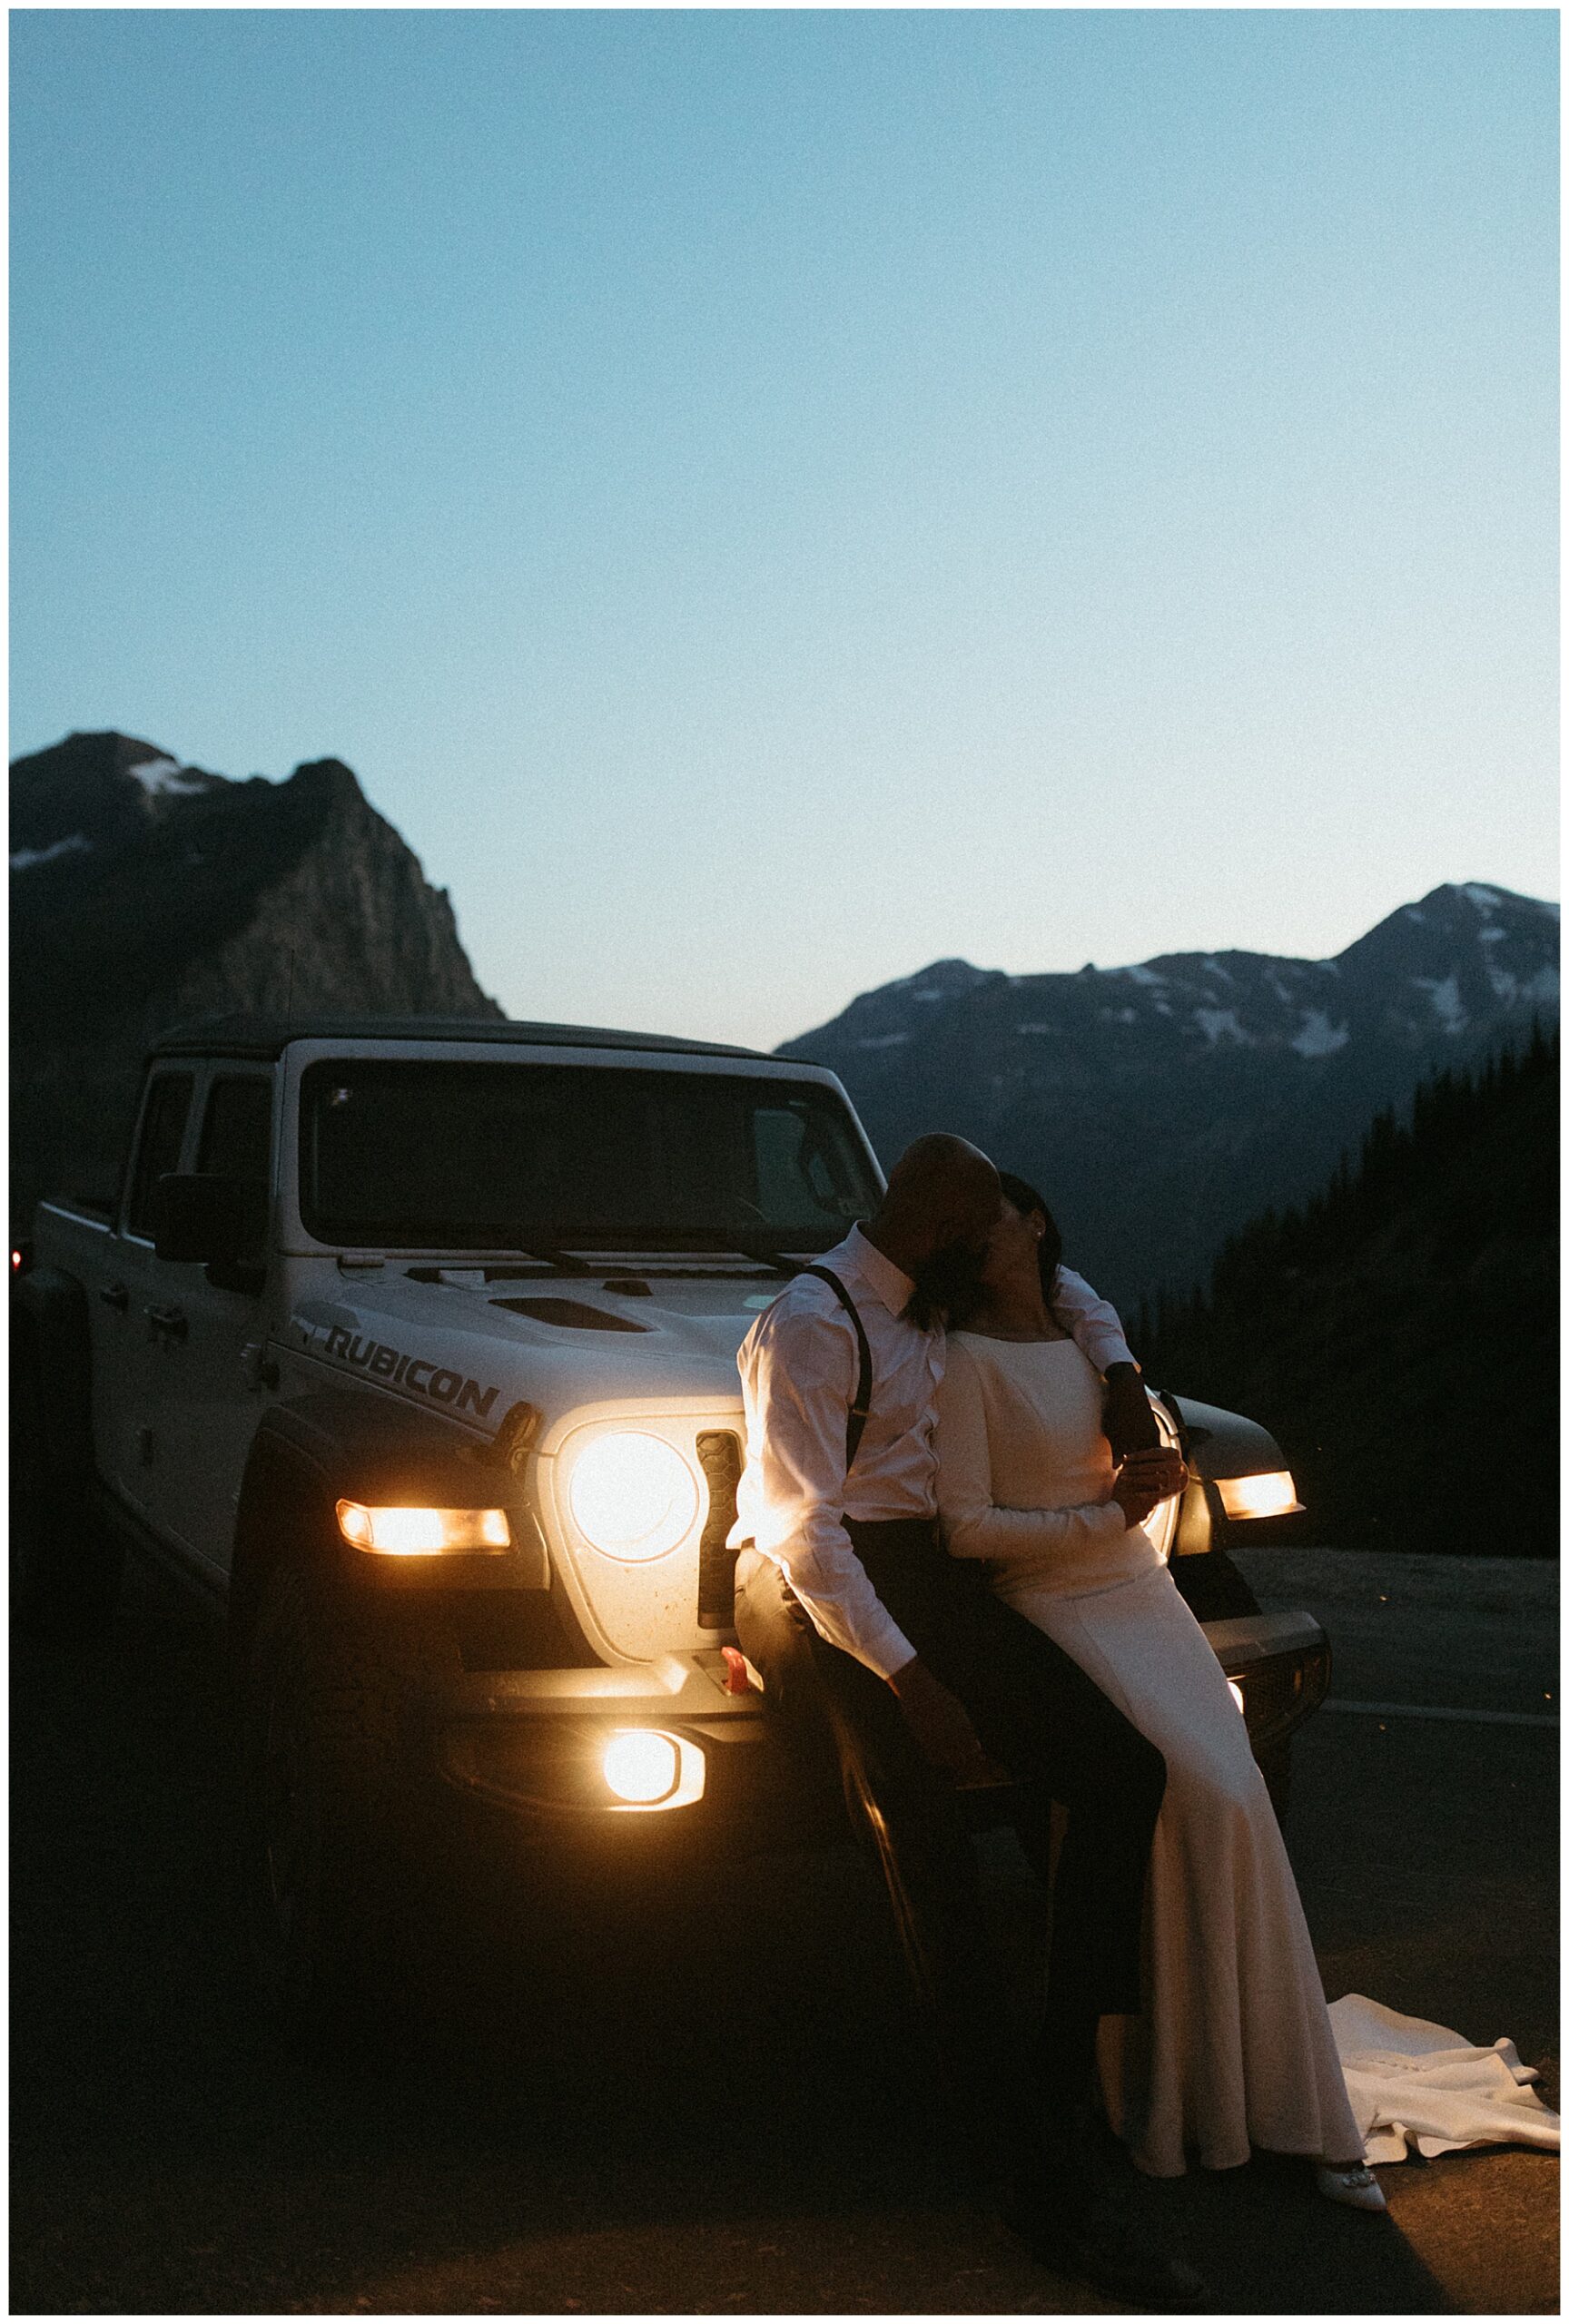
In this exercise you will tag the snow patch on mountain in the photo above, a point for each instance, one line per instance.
(167, 779)
(1318, 1037)
(27, 858)
(1220, 1024)
(1444, 992)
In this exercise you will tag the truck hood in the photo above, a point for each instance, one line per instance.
(450, 1337)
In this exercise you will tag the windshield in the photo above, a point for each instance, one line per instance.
(512, 1156)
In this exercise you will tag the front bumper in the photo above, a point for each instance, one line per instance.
(532, 1743)
(1281, 1662)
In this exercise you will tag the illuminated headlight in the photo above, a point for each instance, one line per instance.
(633, 1496)
(644, 1769)
(1238, 1696)
(1271, 1496)
(422, 1532)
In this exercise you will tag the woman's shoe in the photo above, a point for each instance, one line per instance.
(1355, 2185)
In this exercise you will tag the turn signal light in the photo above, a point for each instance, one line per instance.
(1270, 1496)
(422, 1532)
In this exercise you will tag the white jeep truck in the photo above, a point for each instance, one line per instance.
(413, 1344)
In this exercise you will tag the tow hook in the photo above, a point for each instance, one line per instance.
(740, 1679)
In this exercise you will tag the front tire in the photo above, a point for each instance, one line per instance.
(330, 1811)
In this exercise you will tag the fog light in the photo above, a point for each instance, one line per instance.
(641, 1768)
(646, 1769)
(1269, 1496)
(422, 1532)
(1236, 1697)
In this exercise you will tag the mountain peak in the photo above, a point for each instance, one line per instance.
(1462, 903)
(944, 978)
(92, 791)
(1220, 1078)
(146, 893)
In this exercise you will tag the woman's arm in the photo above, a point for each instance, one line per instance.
(973, 1526)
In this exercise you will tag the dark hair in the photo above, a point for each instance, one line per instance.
(1027, 1200)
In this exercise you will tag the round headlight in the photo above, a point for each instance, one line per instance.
(633, 1496)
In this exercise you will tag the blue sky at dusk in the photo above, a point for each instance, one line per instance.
(764, 501)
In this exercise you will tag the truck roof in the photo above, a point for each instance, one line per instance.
(268, 1037)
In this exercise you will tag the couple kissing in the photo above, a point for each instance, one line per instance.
(944, 1577)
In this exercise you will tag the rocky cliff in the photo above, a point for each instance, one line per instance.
(1158, 1107)
(144, 893)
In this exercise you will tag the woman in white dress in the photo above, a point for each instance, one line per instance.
(1235, 2048)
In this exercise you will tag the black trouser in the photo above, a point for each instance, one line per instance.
(1060, 1738)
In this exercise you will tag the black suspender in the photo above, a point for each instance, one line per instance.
(860, 1411)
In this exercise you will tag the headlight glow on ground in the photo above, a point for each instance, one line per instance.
(1269, 1496)
(647, 1769)
(422, 1532)
(633, 1495)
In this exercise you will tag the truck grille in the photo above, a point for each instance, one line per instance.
(719, 1453)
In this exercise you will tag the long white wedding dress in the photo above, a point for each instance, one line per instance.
(1235, 2048)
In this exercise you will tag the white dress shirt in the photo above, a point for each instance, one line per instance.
(799, 1366)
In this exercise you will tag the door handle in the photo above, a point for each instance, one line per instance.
(115, 1296)
(170, 1321)
(258, 1371)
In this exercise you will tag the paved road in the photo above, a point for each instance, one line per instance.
(717, 2101)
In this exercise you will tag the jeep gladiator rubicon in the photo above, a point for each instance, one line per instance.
(413, 1344)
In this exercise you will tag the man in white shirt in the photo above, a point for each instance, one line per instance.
(864, 1629)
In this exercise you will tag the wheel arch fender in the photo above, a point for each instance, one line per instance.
(311, 1451)
(1217, 1444)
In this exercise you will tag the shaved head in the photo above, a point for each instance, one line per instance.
(934, 1165)
(936, 1218)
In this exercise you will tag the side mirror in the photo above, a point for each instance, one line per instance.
(202, 1217)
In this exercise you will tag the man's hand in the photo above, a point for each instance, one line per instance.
(1145, 1479)
(941, 1726)
(1129, 1423)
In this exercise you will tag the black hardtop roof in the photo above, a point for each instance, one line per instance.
(268, 1037)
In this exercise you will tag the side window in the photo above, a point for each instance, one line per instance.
(237, 1128)
(162, 1129)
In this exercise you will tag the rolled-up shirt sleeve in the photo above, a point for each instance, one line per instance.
(1093, 1320)
(798, 1379)
(974, 1525)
